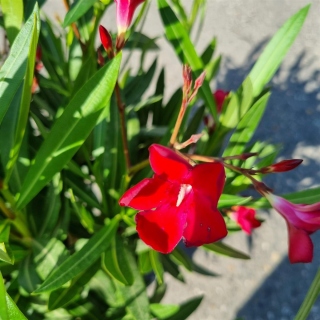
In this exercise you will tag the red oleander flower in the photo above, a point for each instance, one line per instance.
(302, 220)
(125, 11)
(220, 95)
(245, 218)
(179, 202)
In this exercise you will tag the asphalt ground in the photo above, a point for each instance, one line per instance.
(266, 287)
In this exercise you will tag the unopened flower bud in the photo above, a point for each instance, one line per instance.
(282, 166)
(220, 96)
(106, 41)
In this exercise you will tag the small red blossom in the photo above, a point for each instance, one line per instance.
(245, 218)
(302, 220)
(179, 202)
(125, 11)
(219, 96)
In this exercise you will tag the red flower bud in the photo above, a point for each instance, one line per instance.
(220, 96)
(282, 166)
(106, 41)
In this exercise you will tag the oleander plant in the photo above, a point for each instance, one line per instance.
(104, 183)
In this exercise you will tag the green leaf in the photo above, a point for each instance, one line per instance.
(134, 297)
(186, 309)
(77, 10)
(275, 51)
(24, 103)
(61, 297)
(5, 253)
(246, 128)
(13, 70)
(221, 248)
(82, 259)
(48, 255)
(310, 298)
(156, 266)
(70, 130)
(163, 311)
(181, 257)
(309, 196)
(228, 200)
(13, 15)
(115, 262)
(179, 38)
(13, 310)
(28, 278)
(3, 305)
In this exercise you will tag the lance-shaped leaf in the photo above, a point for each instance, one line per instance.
(77, 10)
(8, 309)
(179, 38)
(70, 130)
(14, 69)
(273, 54)
(13, 15)
(81, 260)
(246, 128)
(14, 131)
(226, 250)
(115, 262)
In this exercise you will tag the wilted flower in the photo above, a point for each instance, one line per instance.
(245, 218)
(179, 202)
(302, 220)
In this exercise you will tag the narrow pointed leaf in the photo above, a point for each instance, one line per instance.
(13, 310)
(246, 128)
(275, 51)
(156, 266)
(24, 103)
(225, 250)
(70, 130)
(76, 11)
(82, 259)
(116, 264)
(3, 305)
(13, 70)
(13, 15)
(186, 309)
(310, 298)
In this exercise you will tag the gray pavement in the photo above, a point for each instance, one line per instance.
(266, 287)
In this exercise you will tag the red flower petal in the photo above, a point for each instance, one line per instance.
(205, 224)
(162, 228)
(166, 162)
(150, 193)
(300, 245)
(208, 179)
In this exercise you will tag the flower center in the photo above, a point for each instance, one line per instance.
(184, 191)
